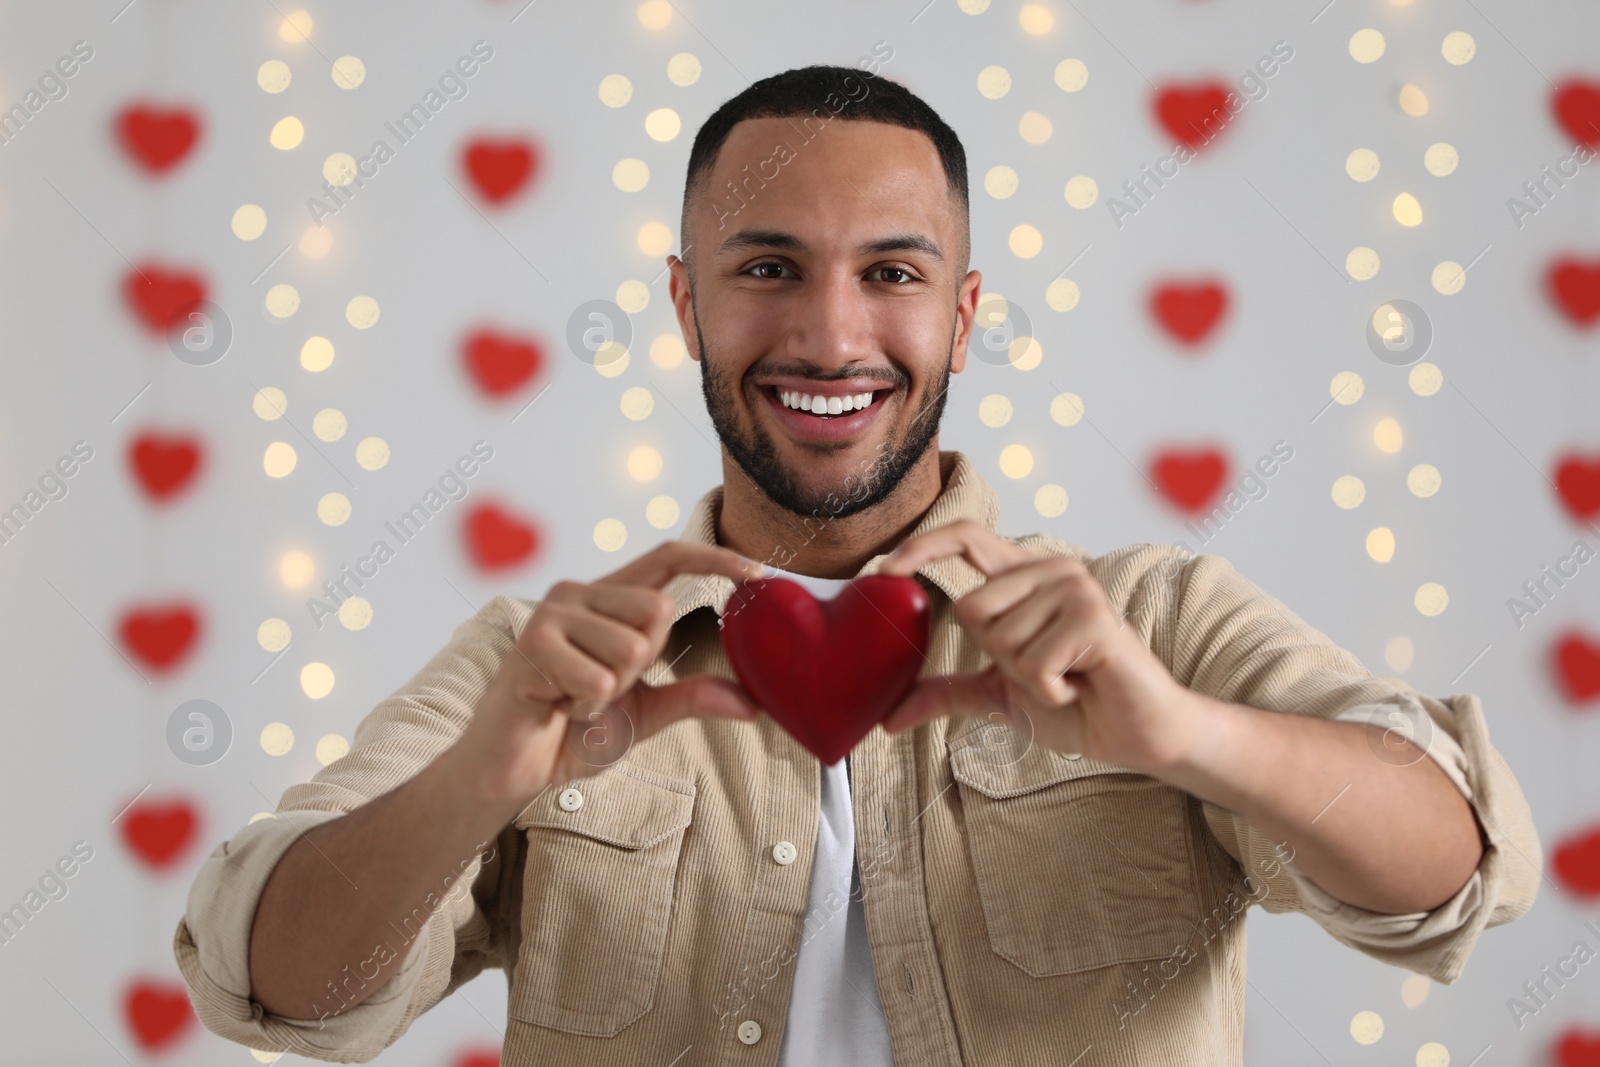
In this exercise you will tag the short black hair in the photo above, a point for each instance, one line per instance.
(806, 91)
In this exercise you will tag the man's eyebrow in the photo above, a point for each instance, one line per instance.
(742, 240)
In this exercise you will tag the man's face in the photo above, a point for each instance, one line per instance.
(835, 278)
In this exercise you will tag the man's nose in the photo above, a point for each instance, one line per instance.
(832, 323)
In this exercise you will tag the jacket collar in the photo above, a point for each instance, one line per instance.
(965, 495)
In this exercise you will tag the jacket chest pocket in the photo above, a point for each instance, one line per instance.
(1080, 863)
(597, 895)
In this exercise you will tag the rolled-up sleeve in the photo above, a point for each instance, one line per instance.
(1223, 636)
(463, 934)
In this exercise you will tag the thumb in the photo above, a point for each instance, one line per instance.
(973, 695)
(656, 707)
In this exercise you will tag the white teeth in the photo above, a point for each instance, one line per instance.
(824, 405)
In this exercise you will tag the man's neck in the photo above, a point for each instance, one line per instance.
(752, 524)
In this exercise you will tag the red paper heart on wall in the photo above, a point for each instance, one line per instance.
(1577, 663)
(500, 363)
(1189, 479)
(1578, 482)
(156, 138)
(164, 465)
(1575, 287)
(1194, 114)
(496, 538)
(1576, 104)
(159, 297)
(499, 168)
(483, 1058)
(160, 637)
(157, 833)
(157, 1013)
(1576, 863)
(1577, 1049)
(827, 671)
(1189, 312)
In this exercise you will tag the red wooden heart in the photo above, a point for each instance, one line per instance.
(1577, 1049)
(1576, 862)
(159, 296)
(1576, 104)
(1578, 482)
(1575, 287)
(1194, 114)
(1189, 312)
(157, 833)
(1577, 663)
(158, 1013)
(160, 637)
(828, 671)
(157, 138)
(164, 465)
(499, 168)
(1189, 479)
(497, 539)
(499, 363)
(484, 1058)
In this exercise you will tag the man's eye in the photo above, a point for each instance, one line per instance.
(765, 266)
(897, 270)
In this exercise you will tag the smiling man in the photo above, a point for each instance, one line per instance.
(1046, 853)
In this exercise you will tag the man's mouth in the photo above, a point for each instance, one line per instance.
(825, 407)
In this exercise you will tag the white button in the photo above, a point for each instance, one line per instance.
(1073, 755)
(570, 800)
(784, 852)
(749, 1031)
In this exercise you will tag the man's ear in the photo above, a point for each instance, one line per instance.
(682, 301)
(966, 314)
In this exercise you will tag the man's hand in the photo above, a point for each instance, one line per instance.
(567, 700)
(1066, 670)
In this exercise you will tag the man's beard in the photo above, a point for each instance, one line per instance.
(757, 454)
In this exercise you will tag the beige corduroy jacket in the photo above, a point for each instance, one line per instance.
(1023, 906)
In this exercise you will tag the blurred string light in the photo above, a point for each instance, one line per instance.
(249, 222)
(279, 459)
(282, 300)
(273, 635)
(362, 312)
(296, 27)
(1000, 182)
(1050, 500)
(276, 739)
(287, 133)
(661, 512)
(316, 354)
(683, 69)
(994, 82)
(610, 535)
(655, 14)
(668, 350)
(348, 72)
(296, 569)
(615, 90)
(1035, 20)
(1387, 436)
(273, 76)
(315, 242)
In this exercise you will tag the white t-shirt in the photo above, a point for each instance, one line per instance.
(835, 1015)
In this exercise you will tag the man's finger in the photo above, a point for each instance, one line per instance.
(974, 695)
(987, 551)
(654, 707)
(664, 562)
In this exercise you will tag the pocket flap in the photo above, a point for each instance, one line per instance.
(622, 805)
(986, 758)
